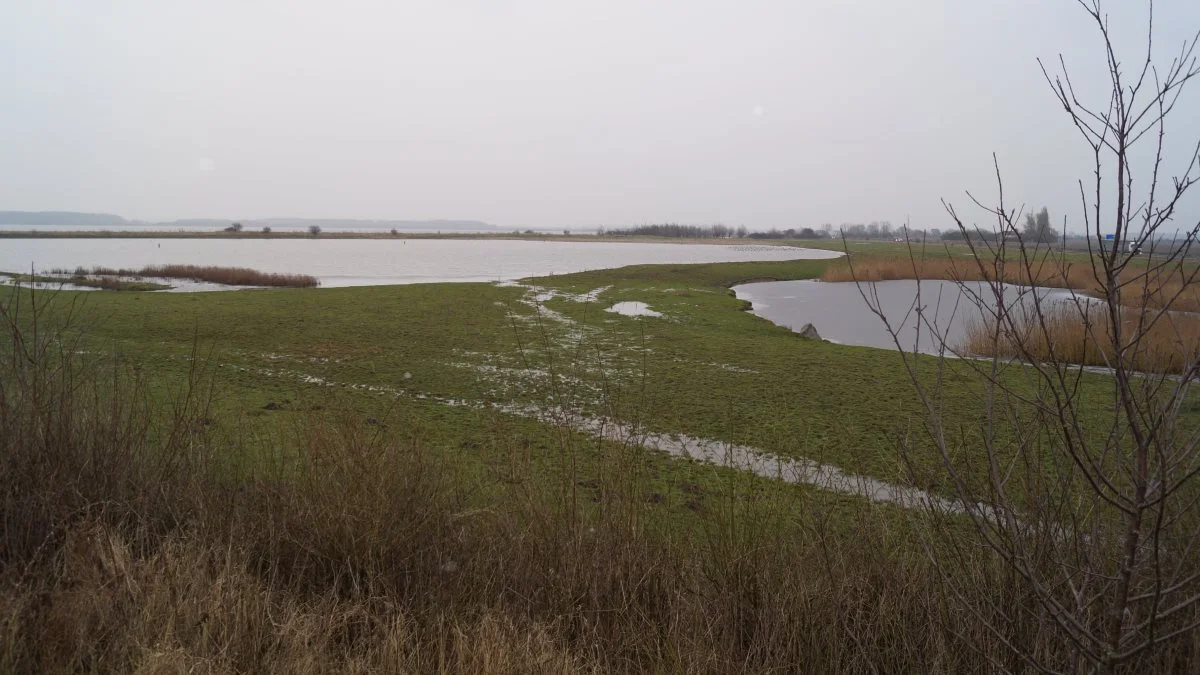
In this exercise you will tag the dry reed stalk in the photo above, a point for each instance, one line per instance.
(1083, 335)
(1152, 291)
(230, 276)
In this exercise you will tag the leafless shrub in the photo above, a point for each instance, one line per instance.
(1081, 486)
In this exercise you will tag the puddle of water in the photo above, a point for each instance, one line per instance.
(633, 308)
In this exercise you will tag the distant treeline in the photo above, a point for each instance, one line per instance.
(975, 235)
(790, 233)
(874, 230)
(712, 232)
(680, 231)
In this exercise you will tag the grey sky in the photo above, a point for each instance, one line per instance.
(549, 113)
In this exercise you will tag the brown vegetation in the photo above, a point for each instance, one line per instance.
(230, 276)
(884, 268)
(1083, 334)
(1155, 289)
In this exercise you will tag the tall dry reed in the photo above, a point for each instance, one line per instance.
(1159, 342)
(230, 276)
(1139, 288)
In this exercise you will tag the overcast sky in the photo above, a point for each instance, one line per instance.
(551, 113)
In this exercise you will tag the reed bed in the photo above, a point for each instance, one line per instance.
(230, 276)
(1174, 288)
(1162, 342)
(896, 268)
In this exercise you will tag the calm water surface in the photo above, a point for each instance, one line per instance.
(840, 314)
(367, 262)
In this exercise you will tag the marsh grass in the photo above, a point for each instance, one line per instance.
(230, 276)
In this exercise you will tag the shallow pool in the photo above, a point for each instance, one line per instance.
(840, 313)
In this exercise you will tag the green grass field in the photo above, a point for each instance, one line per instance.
(708, 368)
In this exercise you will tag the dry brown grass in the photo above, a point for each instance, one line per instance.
(230, 276)
(1174, 288)
(1169, 343)
(882, 268)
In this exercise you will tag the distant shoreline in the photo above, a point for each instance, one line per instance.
(327, 234)
(255, 234)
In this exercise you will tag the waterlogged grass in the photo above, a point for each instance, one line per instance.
(707, 368)
(102, 283)
(367, 544)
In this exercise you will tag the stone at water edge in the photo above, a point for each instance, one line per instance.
(808, 332)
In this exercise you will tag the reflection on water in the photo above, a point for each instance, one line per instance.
(366, 262)
(173, 285)
(840, 314)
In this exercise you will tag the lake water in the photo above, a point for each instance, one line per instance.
(368, 262)
(840, 314)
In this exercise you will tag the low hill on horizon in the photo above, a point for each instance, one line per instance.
(60, 218)
(73, 218)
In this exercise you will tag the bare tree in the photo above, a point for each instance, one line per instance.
(1078, 482)
(1038, 229)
